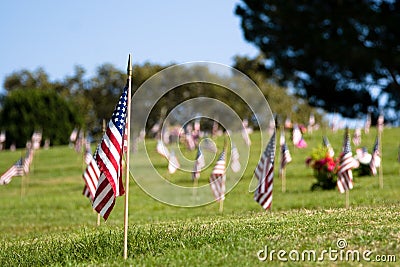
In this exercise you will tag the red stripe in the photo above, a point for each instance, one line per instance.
(109, 156)
(113, 139)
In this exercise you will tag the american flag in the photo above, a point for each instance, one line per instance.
(375, 155)
(173, 163)
(162, 149)
(367, 124)
(235, 163)
(198, 164)
(108, 157)
(15, 170)
(345, 174)
(285, 157)
(28, 160)
(88, 153)
(91, 177)
(379, 124)
(217, 178)
(265, 175)
(326, 143)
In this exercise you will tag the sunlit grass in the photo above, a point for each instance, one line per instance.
(45, 219)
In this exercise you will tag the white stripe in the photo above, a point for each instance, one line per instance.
(112, 149)
(108, 204)
(102, 194)
(267, 203)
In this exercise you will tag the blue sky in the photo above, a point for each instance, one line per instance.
(57, 35)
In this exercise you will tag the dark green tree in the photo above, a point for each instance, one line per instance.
(26, 111)
(330, 52)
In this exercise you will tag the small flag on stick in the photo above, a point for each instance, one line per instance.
(265, 175)
(173, 163)
(15, 170)
(235, 163)
(345, 174)
(108, 158)
(375, 159)
(218, 178)
(198, 164)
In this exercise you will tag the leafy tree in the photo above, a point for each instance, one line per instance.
(331, 52)
(282, 103)
(26, 111)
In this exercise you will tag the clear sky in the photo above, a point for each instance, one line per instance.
(57, 35)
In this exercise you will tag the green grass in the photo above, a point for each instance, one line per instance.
(45, 220)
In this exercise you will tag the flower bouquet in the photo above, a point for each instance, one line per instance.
(325, 168)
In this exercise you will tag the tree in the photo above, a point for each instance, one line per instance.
(334, 52)
(26, 111)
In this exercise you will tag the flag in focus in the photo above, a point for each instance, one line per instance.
(108, 159)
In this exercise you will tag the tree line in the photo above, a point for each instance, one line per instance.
(33, 102)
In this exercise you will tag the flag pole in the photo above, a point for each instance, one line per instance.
(128, 118)
(347, 199)
(283, 180)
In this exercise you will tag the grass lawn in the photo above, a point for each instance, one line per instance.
(46, 221)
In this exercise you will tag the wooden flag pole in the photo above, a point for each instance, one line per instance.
(347, 199)
(195, 184)
(128, 118)
(221, 206)
(283, 180)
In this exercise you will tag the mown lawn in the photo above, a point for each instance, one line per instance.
(45, 220)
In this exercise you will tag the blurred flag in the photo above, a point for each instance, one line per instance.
(88, 153)
(380, 122)
(15, 170)
(285, 157)
(288, 123)
(162, 149)
(375, 159)
(79, 142)
(73, 135)
(345, 174)
(190, 141)
(296, 135)
(357, 137)
(209, 145)
(311, 120)
(91, 177)
(235, 163)
(326, 143)
(282, 138)
(218, 178)
(367, 124)
(198, 164)
(28, 160)
(108, 157)
(36, 139)
(197, 125)
(173, 163)
(265, 175)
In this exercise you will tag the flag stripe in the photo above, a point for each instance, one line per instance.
(265, 175)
